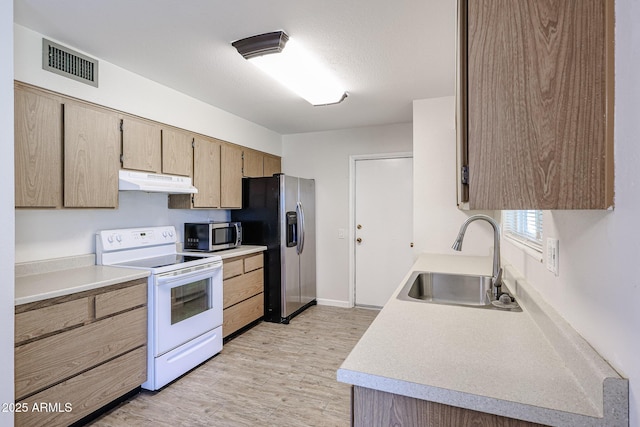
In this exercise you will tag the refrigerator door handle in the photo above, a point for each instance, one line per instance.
(300, 211)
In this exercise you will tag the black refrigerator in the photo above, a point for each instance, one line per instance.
(279, 213)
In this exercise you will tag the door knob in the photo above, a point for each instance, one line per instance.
(359, 240)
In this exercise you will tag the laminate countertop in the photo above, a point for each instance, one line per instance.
(40, 280)
(36, 281)
(231, 253)
(527, 365)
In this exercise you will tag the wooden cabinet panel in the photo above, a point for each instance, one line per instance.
(91, 157)
(231, 176)
(242, 287)
(253, 164)
(253, 262)
(206, 173)
(177, 152)
(87, 391)
(378, 408)
(42, 321)
(232, 268)
(113, 302)
(44, 362)
(243, 313)
(539, 103)
(141, 145)
(38, 149)
(272, 165)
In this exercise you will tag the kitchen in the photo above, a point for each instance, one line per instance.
(594, 292)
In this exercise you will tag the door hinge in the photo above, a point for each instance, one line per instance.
(121, 125)
(193, 143)
(122, 159)
(465, 175)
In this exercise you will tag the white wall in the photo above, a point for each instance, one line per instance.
(436, 218)
(597, 290)
(6, 210)
(125, 91)
(68, 232)
(324, 156)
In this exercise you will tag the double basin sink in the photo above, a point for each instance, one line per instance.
(452, 289)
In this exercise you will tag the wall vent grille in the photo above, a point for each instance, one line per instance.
(69, 63)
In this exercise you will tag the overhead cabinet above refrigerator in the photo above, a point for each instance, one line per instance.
(279, 212)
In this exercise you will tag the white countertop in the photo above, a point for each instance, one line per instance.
(230, 253)
(40, 280)
(37, 287)
(493, 361)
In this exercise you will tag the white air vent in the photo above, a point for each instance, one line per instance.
(69, 63)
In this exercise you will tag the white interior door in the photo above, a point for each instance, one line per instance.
(383, 227)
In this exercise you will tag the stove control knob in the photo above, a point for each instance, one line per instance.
(164, 234)
(170, 233)
(110, 239)
(119, 238)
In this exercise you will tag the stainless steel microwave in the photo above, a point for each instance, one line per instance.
(212, 236)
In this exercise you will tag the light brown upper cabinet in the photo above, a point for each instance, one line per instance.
(253, 163)
(177, 152)
(206, 177)
(272, 165)
(231, 176)
(38, 149)
(141, 145)
(535, 104)
(91, 156)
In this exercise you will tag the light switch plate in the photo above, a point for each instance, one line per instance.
(553, 253)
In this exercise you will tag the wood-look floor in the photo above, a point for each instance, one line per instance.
(272, 375)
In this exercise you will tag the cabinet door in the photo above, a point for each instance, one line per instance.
(141, 145)
(231, 176)
(206, 173)
(91, 157)
(253, 164)
(38, 149)
(539, 104)
(177, 152)
(272, 165)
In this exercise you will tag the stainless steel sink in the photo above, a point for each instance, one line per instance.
(451, 289)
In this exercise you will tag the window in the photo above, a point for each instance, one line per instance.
(524, 227)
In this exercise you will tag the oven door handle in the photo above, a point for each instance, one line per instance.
(175, 276)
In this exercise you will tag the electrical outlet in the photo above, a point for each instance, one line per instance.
(553, 253)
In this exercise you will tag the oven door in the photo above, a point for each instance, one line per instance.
(187, 304)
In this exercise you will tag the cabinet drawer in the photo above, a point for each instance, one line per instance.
(231, 268)
(41, 321)
(253, 263)
(87, 392)
(44, 362)
(239, 315)
(242, 287)
(120, 300)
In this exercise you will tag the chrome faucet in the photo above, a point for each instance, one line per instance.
(496, 280)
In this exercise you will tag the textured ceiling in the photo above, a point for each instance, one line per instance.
(387, 53)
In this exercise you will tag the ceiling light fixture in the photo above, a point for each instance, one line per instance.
(287, 62)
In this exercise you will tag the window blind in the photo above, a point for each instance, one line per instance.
(524, 227)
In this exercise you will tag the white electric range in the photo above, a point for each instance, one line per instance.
(184, 298)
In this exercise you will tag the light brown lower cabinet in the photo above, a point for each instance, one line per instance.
(243, 292)
(374, 408)
(77, 353)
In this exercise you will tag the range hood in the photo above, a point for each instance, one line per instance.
(155, 183)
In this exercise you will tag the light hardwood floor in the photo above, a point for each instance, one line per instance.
(272, 375)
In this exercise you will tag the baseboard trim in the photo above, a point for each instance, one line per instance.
(333, 303)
